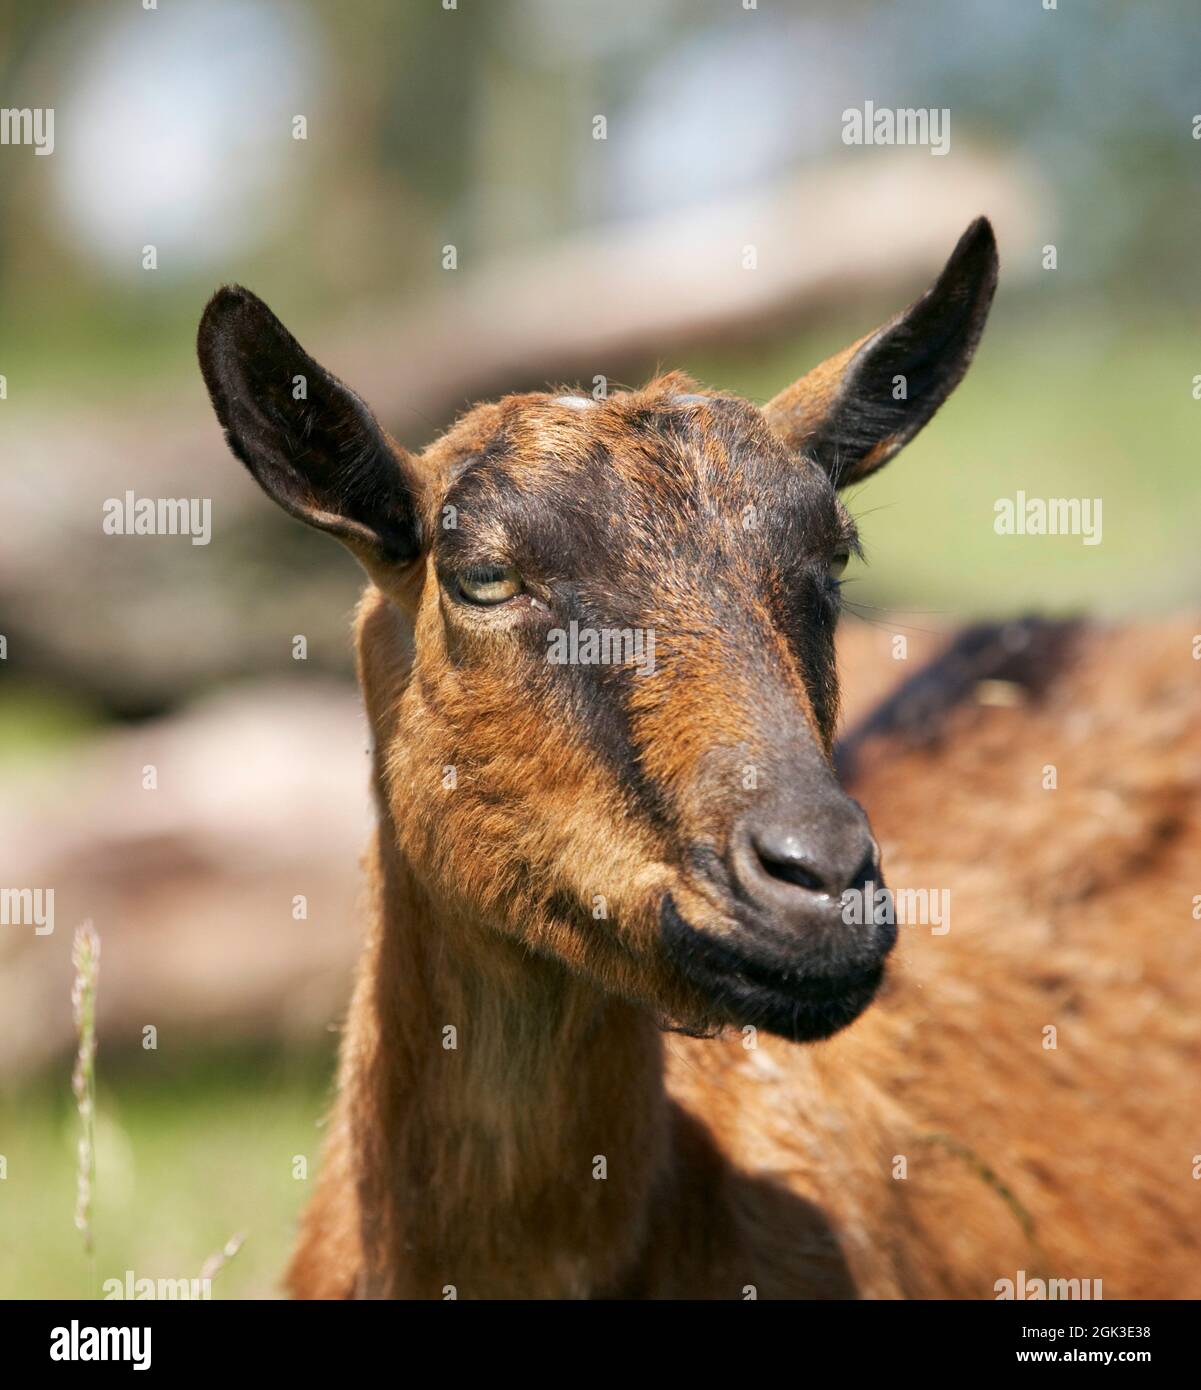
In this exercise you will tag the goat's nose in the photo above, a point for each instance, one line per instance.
(781, 861)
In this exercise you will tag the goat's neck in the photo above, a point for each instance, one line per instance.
(510, 1119)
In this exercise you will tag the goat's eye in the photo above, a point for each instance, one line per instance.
(838, 564)
(489, 584)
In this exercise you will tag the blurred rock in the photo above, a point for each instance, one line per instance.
(262, 795)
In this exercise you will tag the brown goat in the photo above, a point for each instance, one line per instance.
(597, 655)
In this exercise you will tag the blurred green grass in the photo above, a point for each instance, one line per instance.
(186, 1157)
(36, 719)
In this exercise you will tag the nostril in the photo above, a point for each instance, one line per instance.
(788, 872)
(807, 862)
(788, 867)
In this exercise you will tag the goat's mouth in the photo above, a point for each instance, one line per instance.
(800, 1004)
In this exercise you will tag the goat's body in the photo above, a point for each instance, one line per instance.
(573, 850)
(936, 1147)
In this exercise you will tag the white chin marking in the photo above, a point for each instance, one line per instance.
(575, 402)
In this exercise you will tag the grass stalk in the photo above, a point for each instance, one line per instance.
(85, 956)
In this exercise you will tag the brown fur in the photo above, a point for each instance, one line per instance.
(769, 1167)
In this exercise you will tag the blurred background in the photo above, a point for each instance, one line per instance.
(420, 193)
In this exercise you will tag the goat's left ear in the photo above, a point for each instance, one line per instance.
(857, 409)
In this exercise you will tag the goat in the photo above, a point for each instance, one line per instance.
(599, 1044)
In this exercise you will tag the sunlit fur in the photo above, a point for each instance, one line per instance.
(744, 1162)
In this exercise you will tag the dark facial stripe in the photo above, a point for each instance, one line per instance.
(598, 698)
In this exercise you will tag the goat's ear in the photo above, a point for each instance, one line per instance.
(857, 409)
(310, 442)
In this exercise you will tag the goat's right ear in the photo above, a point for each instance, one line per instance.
(311, 443)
